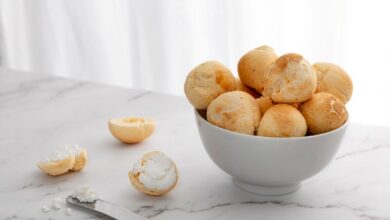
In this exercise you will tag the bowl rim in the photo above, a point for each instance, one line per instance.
(270, 138)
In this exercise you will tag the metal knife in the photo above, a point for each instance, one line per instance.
(106, 208)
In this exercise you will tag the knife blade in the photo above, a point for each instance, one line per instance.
(106, 208)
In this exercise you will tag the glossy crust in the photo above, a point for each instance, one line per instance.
(334, 80)
(323, 112)
(59, 167)
(253, 66)
(235, 111)
(133, 177)
(290, 79)
(131, 130)
(207, 81)
(282, 120)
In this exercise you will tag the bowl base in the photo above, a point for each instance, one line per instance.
(266, 190)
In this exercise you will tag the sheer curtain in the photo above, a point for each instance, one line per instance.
(153, 44)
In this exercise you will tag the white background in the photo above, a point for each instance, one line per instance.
(153, 44)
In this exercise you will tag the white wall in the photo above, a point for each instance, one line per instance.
(153, 44)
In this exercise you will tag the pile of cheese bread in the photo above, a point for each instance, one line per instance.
(274, 96)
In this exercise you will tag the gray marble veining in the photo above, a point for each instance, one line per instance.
(39, 112)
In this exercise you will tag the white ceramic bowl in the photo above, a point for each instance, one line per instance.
(265, 165)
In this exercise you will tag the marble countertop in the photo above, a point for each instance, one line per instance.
(39, 112)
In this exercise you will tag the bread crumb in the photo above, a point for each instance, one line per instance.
(45, 209)
(56, 203)
(68, 211)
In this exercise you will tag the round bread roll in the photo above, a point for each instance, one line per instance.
(253, 65)
(154, 174)
(334, 80)
(235, 111)
(290, 79)
(64, 159)
(282, 120)
(323, 112)
(244, 88)
(264, 102)
(207, 81)
(131, 130)
(296, 104)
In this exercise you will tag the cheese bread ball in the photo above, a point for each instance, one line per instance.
(264, 102)
(290, 79)
(253, 66)
(244, 88)
(323, 112)
(334, 80)
(282, 120)
(207, 81)
(131, 130)
(235, 111)
(154, 174)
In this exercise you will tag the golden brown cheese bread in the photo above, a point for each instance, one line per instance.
(244, 88)
(264, 102)
(207, 81)
(323, 112)
(334, 80)
(131, 130)
(253, 66)
(290, 79)
(235, 111)
(282, 120)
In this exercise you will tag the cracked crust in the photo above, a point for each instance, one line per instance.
(253, 66)
(235, 111)
(207, 81)
(323, 112)
(290, 79)
(334, 80)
